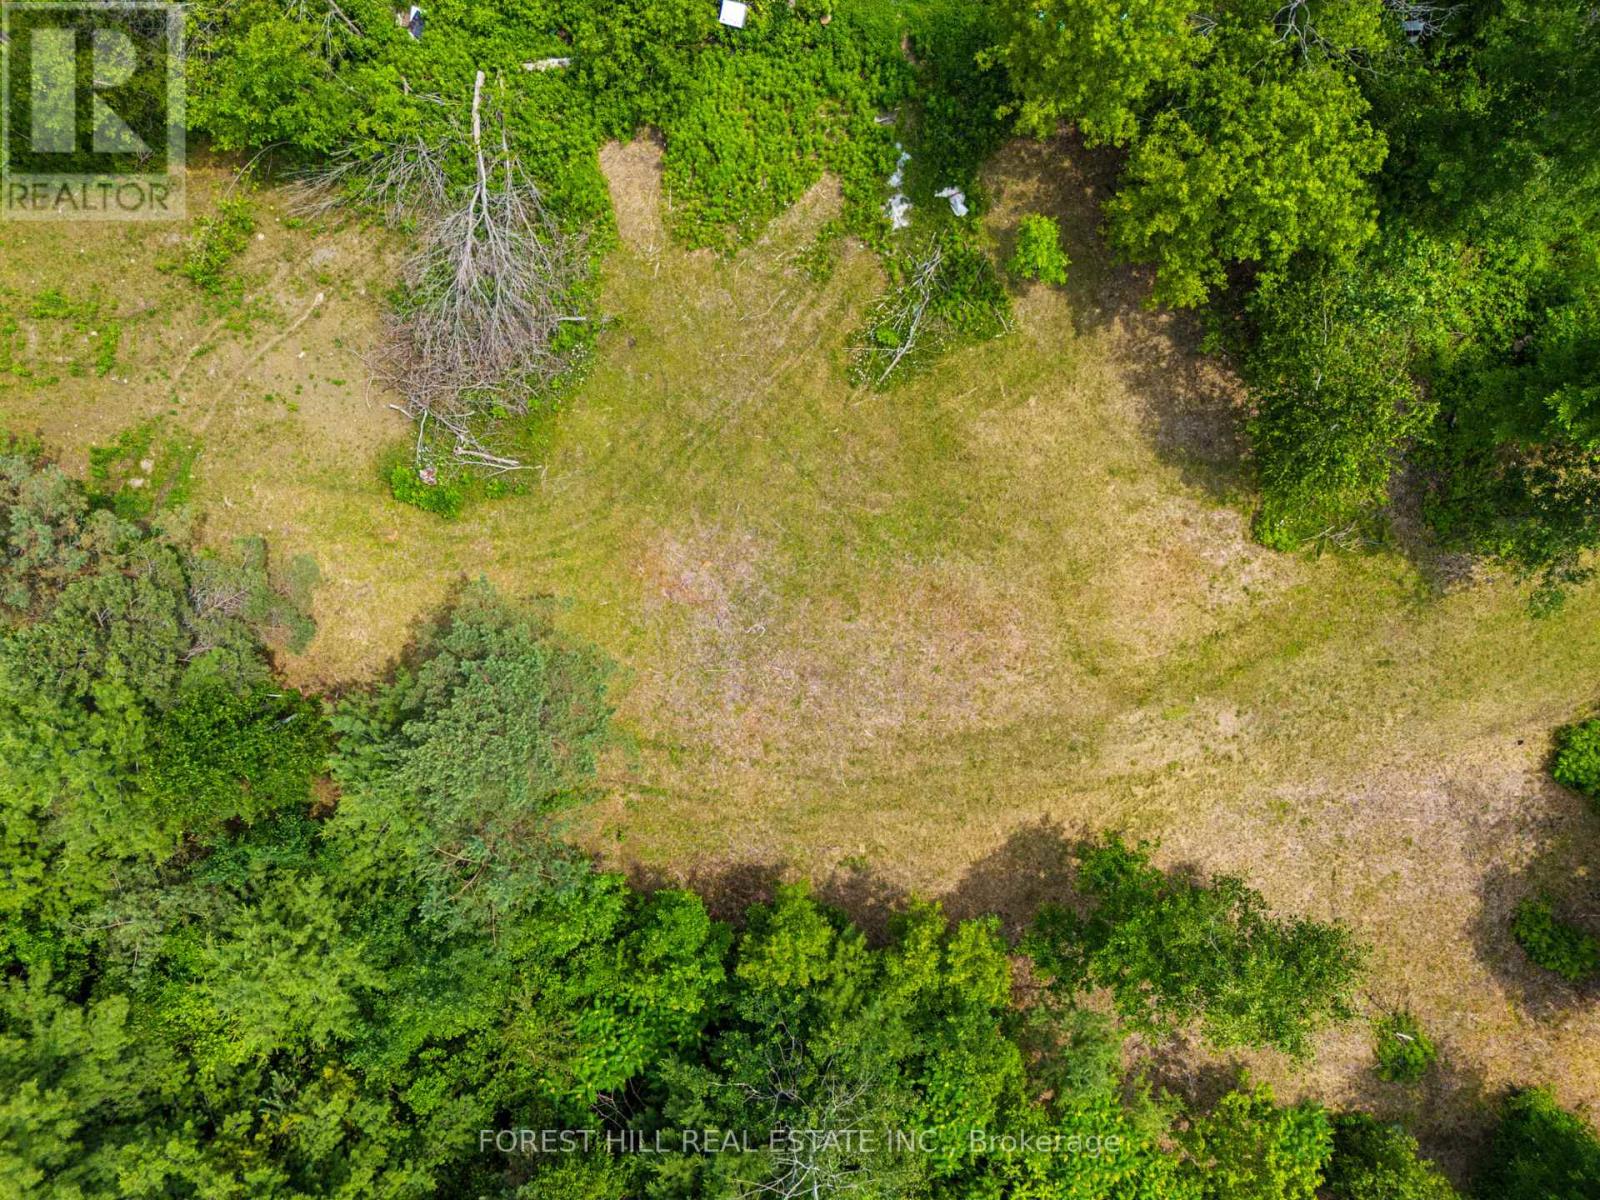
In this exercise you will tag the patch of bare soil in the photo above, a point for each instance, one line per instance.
(633, 174)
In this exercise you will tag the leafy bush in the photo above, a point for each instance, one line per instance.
(1330, 376)
(1173, 951)
(219, 237)
(1541, 1152)
(1577, 760)
(1039, 254)
(1404, 1052)
(1373, 1160)
(1552, 943)
(1248, 1148)
(443, 497)
(142, 471)
(219, 755)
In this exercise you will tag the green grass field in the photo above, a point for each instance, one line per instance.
(905, 641)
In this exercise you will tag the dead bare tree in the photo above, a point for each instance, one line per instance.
(492, 285)
(936, 303)
(400, 182)
(814, 1104)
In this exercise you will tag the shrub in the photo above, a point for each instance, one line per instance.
(1542, 1152)
(1404, 1051)
(1249, 1148)
(218, 239)
(443, 497)
(1173, 950)
(492, 728)
(219, 755)
(1552, 943)
(1039, 254)
(136, 476)
(1577, 761)
(1375, 1161)
(947, 292)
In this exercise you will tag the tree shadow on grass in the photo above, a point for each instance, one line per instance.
(1190, 404)
(1032, 868)
(728, 889)
(1540, 992)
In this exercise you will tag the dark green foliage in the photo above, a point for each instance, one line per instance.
(1577, 760)
(462, 763)
(226, 976)
(218, 755)
(1541, 1152)
(1267, 145)
(1039, 254)
(1552, 943)
(1173, 951)
(129, 667)
(1376, 1161)
(1403, 1050)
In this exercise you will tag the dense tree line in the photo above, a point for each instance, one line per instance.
(258, 944)
(1399, 199)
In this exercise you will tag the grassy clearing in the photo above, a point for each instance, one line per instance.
(908, 641)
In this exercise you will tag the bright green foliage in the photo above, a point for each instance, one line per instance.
(1375, 1161)
(1404, 1051)
(218, 755)
(945, 292)
(1092, 1147)
(1096, 66)
(1577, 760)
(1336, 403)
(1250, 1149)
(128, 668)
(1248, 169)
(69, 1072)
(1541, 1152)
(444, 497)
(1173, 951)
(229, 977)
(1039, 254)
(219, 238)
(827, 1034)
(1552, 943)
(143, 471)
(751, 130)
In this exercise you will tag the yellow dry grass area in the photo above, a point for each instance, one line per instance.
(914, 642)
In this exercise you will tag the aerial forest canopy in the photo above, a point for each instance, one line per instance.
(258, 942)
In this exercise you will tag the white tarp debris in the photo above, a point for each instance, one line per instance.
(957, 198)
(547, 64)
(899, 207)
(734, 13)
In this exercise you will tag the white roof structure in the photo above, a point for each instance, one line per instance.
(734, 13)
